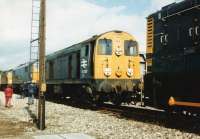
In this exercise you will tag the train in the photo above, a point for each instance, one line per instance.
(5, 78)
(107, 67)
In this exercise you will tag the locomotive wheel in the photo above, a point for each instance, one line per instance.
(116, 96)
(99, 100)
(86, 95)
(116, 99)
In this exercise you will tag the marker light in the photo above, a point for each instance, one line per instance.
(130, 72)
(107, 72)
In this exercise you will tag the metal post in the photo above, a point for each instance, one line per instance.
(42, 84)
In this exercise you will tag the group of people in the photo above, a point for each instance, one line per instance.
(26, 90)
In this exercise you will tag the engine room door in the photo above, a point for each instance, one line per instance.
(51, 70)
(69, 67)
(78, 65)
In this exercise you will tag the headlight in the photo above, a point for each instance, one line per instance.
(107, 71)
(118, 51)
(130, 72)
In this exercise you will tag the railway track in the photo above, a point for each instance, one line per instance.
(146, 115)
(129, 111)
(154, 116)
(146, 111)
(134, 112)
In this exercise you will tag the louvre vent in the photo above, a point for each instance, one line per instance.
(150, 39)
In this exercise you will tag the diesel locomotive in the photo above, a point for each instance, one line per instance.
(23, 74)
(5, 78)
(105, 67)
(173, 54)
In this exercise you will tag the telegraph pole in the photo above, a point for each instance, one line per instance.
(42, 82)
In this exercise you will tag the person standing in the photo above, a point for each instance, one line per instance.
(22, 90)
(8, 95)
(31, 93)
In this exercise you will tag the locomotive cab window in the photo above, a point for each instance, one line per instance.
(105, 47)
(130, 48)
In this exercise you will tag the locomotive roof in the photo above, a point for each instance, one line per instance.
(62, 51)
(73, 47)
(68, 49)
(175, 8)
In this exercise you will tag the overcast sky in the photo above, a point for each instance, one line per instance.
(69, 22)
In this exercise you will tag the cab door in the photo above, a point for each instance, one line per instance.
(187, 30)
(192, 47)
(103, 58)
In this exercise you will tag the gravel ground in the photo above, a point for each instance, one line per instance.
(62, 119)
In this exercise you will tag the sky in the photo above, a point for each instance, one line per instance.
(70, 22)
